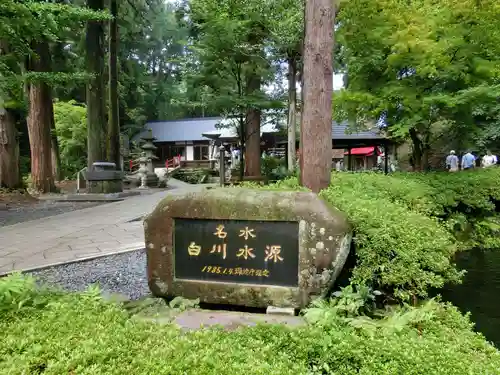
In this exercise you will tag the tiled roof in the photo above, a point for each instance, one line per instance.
(194, 128)
(340, 131)
(191, 129)
(181, 130)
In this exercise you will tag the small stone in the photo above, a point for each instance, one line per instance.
(272, 310)
(322, 231)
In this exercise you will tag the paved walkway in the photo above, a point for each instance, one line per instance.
(80, 234)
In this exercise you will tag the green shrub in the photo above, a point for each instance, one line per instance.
(398, 250)
(469, 201)
(274, 169)
(71, 128)
(192, 176)
(464, 202)
(81, 334)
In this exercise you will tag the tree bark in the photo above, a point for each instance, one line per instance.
(54, 144)
(316, 127)
(10, 176)
(292, 108)
(252, 130)
(96, 122)
(114, 115)
(39, 122)
(417, 151)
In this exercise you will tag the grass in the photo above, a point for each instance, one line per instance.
(53, 334)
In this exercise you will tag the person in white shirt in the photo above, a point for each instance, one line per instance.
(488, 160)
(452, 162)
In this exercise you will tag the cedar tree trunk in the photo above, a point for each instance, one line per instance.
(39, 122)
(316, 127)
(96, 122)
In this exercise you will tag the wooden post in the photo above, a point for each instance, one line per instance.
(349, 160)
(386, 159)
(222, 166)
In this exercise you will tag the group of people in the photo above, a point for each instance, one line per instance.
(453, 164)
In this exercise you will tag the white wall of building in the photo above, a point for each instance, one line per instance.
(189, 153)
(210, 150)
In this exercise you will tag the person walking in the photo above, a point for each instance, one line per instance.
(488, 160)
(452, 162)
(468, 161)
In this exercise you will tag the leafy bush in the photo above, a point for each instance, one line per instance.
(274, 169)
(19, 293)
(71, 128)
(469, 202)
(465, 203)
(81, 334)
(192, 176)
(398, 250)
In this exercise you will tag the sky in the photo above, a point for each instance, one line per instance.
(338, 81)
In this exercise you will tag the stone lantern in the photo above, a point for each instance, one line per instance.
(148, 149)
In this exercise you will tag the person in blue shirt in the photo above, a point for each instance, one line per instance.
(468, 161)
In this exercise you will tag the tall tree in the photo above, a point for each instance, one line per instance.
(427, 69)
(114, 114)
(228, 57)
(286, 32)
(96, 121)
(316, 127)
(10, 176)
(9, 150)
(30, 27)
(40, 119)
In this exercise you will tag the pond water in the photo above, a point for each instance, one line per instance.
(480, 291)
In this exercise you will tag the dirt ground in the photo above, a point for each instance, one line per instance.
(19, 206)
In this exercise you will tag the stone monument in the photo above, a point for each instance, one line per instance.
(103, 177)
(245, 247)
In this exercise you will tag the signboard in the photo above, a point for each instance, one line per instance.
(237, 251)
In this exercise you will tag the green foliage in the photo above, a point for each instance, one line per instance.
(227, 57)
(71, 128)
(428, 68)
(274, 169)
(25, 22)
(82, 334)
(408, 226)
(399, 250)
(192, 176)
(465, 203)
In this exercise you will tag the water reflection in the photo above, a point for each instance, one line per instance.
(479, 291)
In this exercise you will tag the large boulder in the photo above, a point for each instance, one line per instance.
(245, 247)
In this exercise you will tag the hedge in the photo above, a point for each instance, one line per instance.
(408, 226)
(82, 334)
(400, 251)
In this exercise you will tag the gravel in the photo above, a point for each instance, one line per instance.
(18, 213)
(123, 274)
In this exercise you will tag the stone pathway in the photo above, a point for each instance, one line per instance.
(102, 230)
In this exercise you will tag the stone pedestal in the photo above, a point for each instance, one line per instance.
(245, 247)
(103, 178)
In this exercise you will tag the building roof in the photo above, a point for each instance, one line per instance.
(341, 131)
(193, 129)
(199, 129)
(181, 130)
